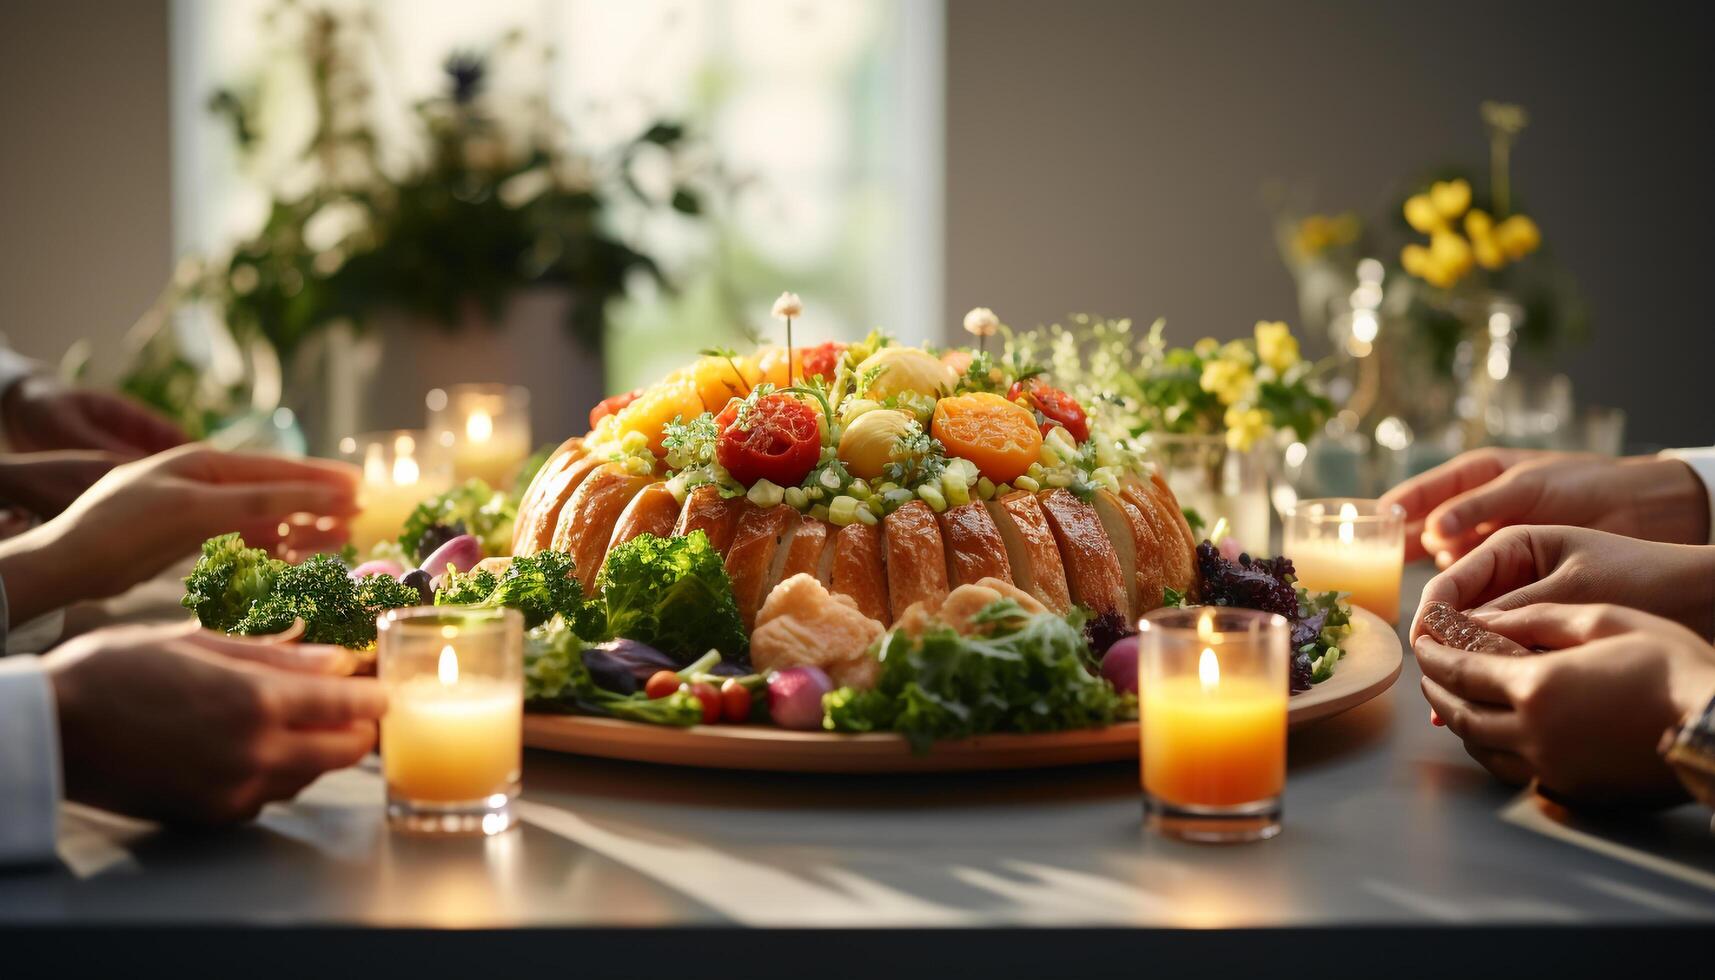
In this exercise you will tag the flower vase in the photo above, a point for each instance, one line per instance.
(1217, 481)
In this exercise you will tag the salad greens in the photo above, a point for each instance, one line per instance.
(1027, 673)
(556, 679)
(470, 508)
(1320, 621)
(238, 589)
(673, 594)
(538, 585)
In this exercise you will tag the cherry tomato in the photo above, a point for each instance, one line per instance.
(711, 699)
(781, 441)
(1055, 406)
(735, 701)
(820, 360)
(611, 406)
(660, 684)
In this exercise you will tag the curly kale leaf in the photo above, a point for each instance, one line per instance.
(540, 586)
(1029, 673)
(673, 594)
(228, 580)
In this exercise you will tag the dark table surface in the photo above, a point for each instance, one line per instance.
(1388, 824)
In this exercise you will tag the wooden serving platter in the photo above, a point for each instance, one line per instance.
(1371, 664)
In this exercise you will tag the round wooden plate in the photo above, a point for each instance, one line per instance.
(1370, 666)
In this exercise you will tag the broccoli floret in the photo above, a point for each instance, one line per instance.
(334, 608)
(538, 585)
(228, 580)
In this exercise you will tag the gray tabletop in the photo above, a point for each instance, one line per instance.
(1387, 823)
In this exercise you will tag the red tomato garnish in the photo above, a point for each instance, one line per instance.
(1055, 406)
(611, 406)
(661, 683)
(820, 360)
(735, 701)
(711, 700)
(781, 441)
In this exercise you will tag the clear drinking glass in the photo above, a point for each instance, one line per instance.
(484, 429)
(1347, 544)
(452, 738)
(400, 467)
(1212, 698)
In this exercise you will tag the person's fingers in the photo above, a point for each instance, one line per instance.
(1505, 562)
(1509, 767)
(73, 430)
(320, 702)
(1482, 677)
(1508, 499)
(213, 466)
(251, 503)
(1555, 626)
(1478, 724)
(136, 425)
(313, 752)
(1426, 491)
(303, 658)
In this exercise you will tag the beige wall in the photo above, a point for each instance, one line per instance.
(1110, 156)
(85, 219)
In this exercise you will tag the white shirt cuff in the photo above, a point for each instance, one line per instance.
(1702, 462)
(29, 763)
(14, 367)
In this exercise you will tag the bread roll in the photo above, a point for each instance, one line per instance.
(716, 516)
(587, 520)
(916, 558)
(563, 456)
(858, 570)
(537, 533)
(1086, 552)
(1030, 549)
(974, 548)
(750, 560)
(653, 511)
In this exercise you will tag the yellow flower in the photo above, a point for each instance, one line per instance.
(1276, 346)
(1450, 197)
(1421, 214)
(1228, 380)
(1415, 260)
(1245, 425)
(1237, 352)
(1206, 347)
(1451, 251)
(1518, 236)
(1318, 232)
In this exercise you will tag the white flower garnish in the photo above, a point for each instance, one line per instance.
(788, 306)
(981, 322)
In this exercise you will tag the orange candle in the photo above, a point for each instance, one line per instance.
(1351, 546)
(452, 738)
(1212, 707)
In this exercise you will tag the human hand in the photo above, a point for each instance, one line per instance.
(46, 483)
(1583, 720)
(41, 414)
(1452, 508)
(1521, 566)
(145, 515)
(170, 724)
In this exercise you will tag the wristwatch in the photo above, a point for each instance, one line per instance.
(1690, 750)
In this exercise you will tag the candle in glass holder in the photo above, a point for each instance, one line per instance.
(1212, 691)
(399, 471)
(1347, 545)
(484, 429)
(452, 738)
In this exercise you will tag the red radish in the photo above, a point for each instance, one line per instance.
(378, 566)
(1119, 665)
(795, 697)
(462, 553)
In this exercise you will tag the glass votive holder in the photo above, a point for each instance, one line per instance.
(483, 428)
(1344, 544)
(452, 737)
(400, 469)
(1212, 691)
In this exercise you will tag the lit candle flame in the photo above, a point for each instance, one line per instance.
(1206, 626)
(1209, 669)
(1348, 514)
(449, 666)
(479, 427)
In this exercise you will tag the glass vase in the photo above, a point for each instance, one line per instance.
(1216, 481)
